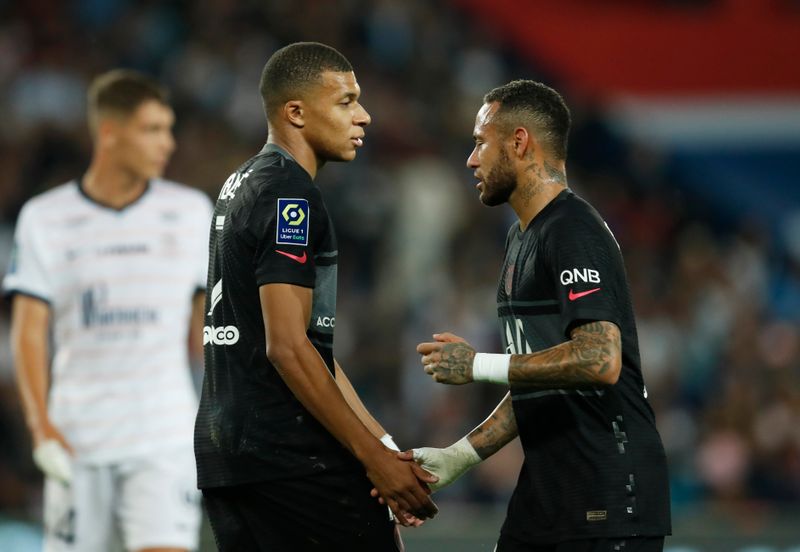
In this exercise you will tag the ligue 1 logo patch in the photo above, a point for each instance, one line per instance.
(293, 215)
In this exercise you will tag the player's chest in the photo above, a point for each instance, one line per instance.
(525, 276)
(102, 245)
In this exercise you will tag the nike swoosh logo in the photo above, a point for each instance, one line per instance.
(299, 258)
(573, 295)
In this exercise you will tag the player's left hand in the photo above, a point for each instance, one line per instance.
(409, 519)
(448, 359)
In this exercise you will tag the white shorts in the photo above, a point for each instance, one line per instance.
(135, 504)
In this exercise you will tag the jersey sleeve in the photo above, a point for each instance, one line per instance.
(585, 264)
(292, 229)
(205, 216)
(27, 271)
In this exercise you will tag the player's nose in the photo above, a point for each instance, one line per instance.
(362, 117)
(472, 160)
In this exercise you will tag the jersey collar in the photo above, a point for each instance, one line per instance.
(134, 201)
(562, 195)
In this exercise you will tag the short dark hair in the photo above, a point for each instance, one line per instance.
(290, 70)
(121, 92)
(533, 104)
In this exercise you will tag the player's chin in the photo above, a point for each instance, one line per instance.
(346, 155)
(154, 171)
(490, 200)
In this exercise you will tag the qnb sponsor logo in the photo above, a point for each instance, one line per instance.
(576, 275)
(96, 313)
(223, 335)
(326, 321)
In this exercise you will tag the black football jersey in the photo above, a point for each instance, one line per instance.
(594, 463)
(270, 226)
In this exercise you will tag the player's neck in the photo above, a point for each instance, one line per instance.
(300, 151)
(529, 201)
(112, 185)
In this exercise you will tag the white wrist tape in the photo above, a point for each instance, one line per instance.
(53, 460)
(448, 463)
(388, 442)
(464, 450)
(491, 367)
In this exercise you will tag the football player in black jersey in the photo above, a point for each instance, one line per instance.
(286, 452)
(594, 476)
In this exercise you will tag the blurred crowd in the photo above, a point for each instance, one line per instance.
(718, 305)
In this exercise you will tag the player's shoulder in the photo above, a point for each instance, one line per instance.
(569, 213)
(169, 189)
(274, 176)
(56, 203)
(285, 172)
(179, 197)
(58, 199)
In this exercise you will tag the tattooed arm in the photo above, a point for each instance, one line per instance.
(448, 464)
(593, 356)
(496, 431)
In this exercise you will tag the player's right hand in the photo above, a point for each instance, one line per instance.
(51, 453)
(54, 460)
(403, 486)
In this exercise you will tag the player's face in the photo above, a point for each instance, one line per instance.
(143, 142)
(334, 119)
(496, 176)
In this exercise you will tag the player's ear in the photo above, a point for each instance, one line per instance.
(523, 142)
(294, 112)
(106, 132)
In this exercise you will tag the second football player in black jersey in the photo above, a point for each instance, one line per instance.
(594, 476)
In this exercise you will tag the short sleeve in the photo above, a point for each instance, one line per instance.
(585, 264)
(27, 269)
(292, 228)
(204, 216)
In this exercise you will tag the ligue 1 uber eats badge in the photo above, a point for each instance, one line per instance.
(293, 218)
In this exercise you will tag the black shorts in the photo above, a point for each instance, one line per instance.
(321, 512)
(626, 544)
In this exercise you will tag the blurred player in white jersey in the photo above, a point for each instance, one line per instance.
(114, 263)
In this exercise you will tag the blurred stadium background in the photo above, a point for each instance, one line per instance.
(686, 139)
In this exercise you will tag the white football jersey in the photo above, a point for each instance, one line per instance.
(119, 284)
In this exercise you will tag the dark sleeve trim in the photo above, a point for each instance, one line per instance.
(583, 316)
(264, 280)
(9, 293)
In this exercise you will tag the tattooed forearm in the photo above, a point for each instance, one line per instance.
(496, 431)
(592, 357)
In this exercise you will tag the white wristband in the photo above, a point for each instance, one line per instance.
(388, 442)
(491, 367)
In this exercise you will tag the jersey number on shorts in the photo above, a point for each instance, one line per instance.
(64, 528)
